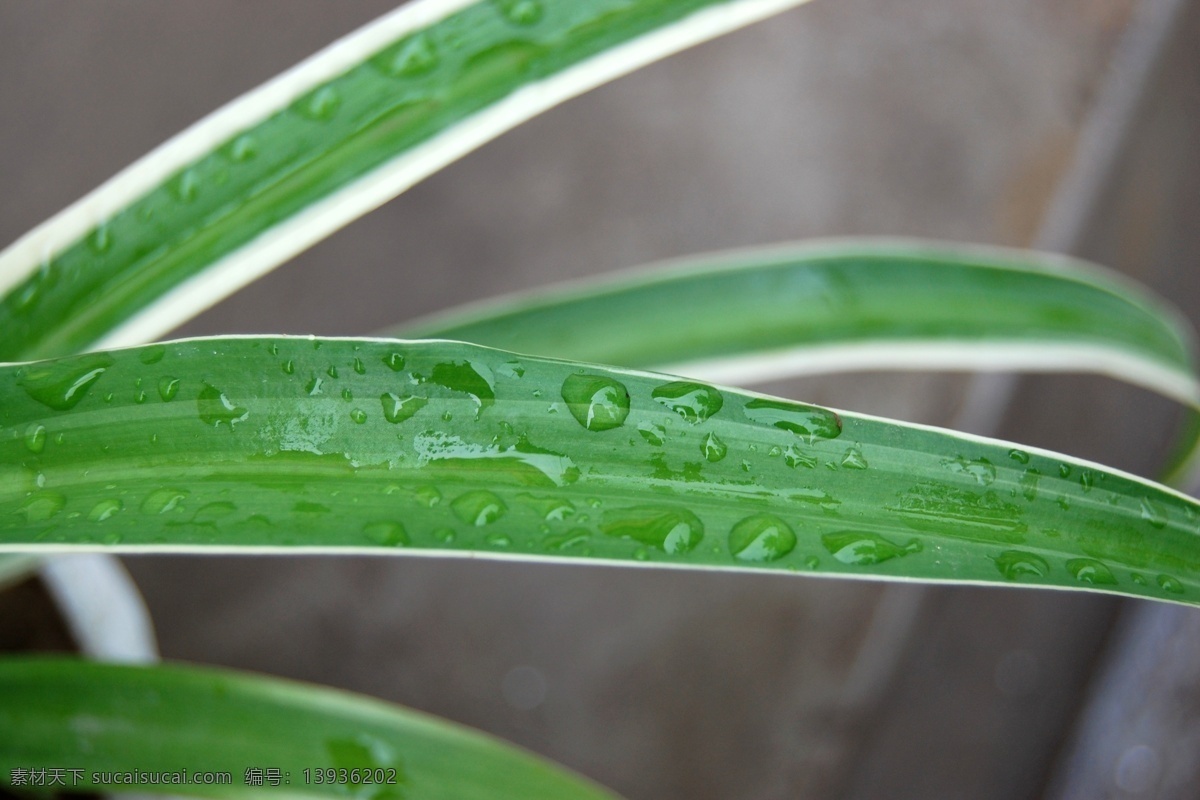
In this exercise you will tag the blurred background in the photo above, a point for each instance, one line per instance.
(1070, 124)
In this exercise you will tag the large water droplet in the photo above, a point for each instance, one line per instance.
(105, 509)
(853, 458)
(152, 354)
(468, 377)
(394, 361)
(162, 501)
(598, 403)
(320, 105)
(397, 409)
(409, 58)
(168, 387)
(980, 469)
(694, 402)
(1153, 513)
(389, 534)
(520, 12)
(1015, 565)
(1169, 584)
(762, 537)
(675, 531)
(35, 437)
(713, 448)
(61, 385)
(654, 434)
(42, 506)
(810, 422)
(860, 549)
(795, 457)
(1089, 570)
(550, 508)
(479, 507)
(243, 148)
(215, 408)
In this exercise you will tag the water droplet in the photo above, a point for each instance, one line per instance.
(598, 403)
(347, 395)
(1064, 470)
(1015, 565)
(498, 540)
(1138, 578)
(762, 537)
(100, 239)
(1087, 479)
(313, 387)
(397, 409)
(1029, 483)
(320, 105)
(853, 458)
(980, 470)
(409, 58)
(675, 531)
(1019, 456)
(359, 416)
(358, 366)
(1169, 584)
(61, 385)
(389, 534)
(1153, 513)
(35, 437)
(243, 148)
(184, 186)
(42, 506)
(654, 434)
(428, 496)
(795, 457)
(521, 12)
(139, 398)
(713, 448)
(468, 377)
(810, 422)
(162, 501)
(550, 508)
(860, 549)
(289, 367)
(479, 507)
(1089, 570)
(512, 369)
(215, 408)
(694, 402)
(152, 354)
(812, 562)
(168, 387)
(395, 361)
(105, 509)
(445, 535)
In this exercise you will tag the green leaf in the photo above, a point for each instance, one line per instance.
(296, 445)
(289, 163)
(845, 305)
(118, 727)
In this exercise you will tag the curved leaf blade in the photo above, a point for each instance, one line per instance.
(112, 722)
(834, 306)
(328, 141)
(445, 448)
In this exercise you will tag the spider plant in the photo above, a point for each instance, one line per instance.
(593, 423)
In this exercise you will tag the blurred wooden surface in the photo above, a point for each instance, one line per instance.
(850, 117)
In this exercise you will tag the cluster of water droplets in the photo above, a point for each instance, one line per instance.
(446, 430)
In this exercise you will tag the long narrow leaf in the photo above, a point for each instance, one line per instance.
(847, 305)
(75, 726)
(333, 138)
(383, 446)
